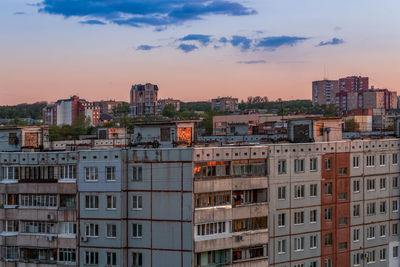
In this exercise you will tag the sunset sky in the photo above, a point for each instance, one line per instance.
(193, 49)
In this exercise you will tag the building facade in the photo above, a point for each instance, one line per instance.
(306, 204)
(324, 91)
(169, 101)
(353, 84)
(143, 99)
(225, 104)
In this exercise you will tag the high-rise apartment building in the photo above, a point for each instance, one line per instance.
(162, 103)
(324, 91)
(314, 204)
(143, 99)
(353, 84)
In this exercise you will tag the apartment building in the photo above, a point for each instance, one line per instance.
(222, 104)
(143, 99)
(298, 204)
(324, 91)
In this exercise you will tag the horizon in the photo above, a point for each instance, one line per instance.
(260, 48)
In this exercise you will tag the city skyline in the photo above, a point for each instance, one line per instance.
(272, 49)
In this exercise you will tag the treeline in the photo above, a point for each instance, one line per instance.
(33, 111)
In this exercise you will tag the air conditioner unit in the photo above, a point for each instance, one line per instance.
(84, 239)
(51, 217)
(238, 238)
(50, 238)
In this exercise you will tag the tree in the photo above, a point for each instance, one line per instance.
(351, 125)
(121, 109)
(169, 111)
(330, 111)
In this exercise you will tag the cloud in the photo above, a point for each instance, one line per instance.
(139, 13)
(334, 41)
(92, 22)
(242, 42)
(248, 62)
(274, 42)
(187, 47)
(202, 39)
(337, 28)
(19, 13)
(146, 47)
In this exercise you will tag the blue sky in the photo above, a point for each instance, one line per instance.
(97, 49)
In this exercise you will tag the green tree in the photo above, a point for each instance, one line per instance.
(351, 125)
(169, 111)
(121, 109)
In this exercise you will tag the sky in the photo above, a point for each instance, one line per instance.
(193, 49)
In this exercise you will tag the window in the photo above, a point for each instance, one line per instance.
(298, 243)
(250, 224)
(281, 220)
(67, 172)
(370, 161)
(313, 190)
(111, 259)
(299, 191)
(282, 192)
(137, 202)
(137, 174)
(382, 183)
(356, 259)
(9, 173)
(91, 174)
(67, 255)
(356, 210)
(371, 256)
(245, 253)
(136, 230)
(91, 258)
(328, 214)
(356, 162)
(137, 259)
(371, 232)
(313, 264)
(214, 228)
(91, 202)
(12, 139)
(299, 217)
(342, 171)
(282, 166)
(10, 226)
(298, 165)
(38, 227)
(213, 199)
(343, 196)
(111, 202)
(394, 158)
(111, 230)
(91, 230)
(395, 228)
(36, 201)
(328, 189)
(110, 174)
(343, 246)
(382, 160)
(370, 184)
(395, 251)
(68, 228)
(328, 262)
(356, 186)
(313, 216)
(281, 246)
(371, 208)
(313, 241)
(356, 235)
(299, 265)
(313, 164)
(382, 254)
(395, 182)
(395, 206)
(328, 239)
(382, 207)
(165, 134)
(328, 164)
(382, 230)
(67, 202)
(343, 221)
